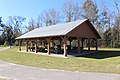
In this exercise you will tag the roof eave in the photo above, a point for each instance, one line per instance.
(40, 37)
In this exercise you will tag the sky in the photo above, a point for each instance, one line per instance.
(33, 8)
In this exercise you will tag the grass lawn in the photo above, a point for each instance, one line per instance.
(103, 61)
(110, 49)
(2, 46)
(105, 49)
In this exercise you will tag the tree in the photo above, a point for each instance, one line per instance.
(51, 17)
(1, 24)
(1, 30)
(104, 22)
(116, 27)
(39, 22)
(90, 11)
(34, 24)
(105, 18)
(107, 37)
(7, 36)
(16, 23)
(116, 30)
(116, 43)
(71, 11)
(31, 25)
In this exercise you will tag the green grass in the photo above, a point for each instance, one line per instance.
(104, 61)
(2, 46)
(110, 49)
(105, 49)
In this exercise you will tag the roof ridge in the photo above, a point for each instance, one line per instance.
(63, 23)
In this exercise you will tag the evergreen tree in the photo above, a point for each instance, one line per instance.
(107, 37)
(90, 11)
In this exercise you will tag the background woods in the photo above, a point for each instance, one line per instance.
(106, 22)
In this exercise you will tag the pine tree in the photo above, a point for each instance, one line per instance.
(90, 11)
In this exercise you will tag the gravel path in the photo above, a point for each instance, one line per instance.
(20, 72)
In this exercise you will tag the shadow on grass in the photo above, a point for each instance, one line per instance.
(102, 54)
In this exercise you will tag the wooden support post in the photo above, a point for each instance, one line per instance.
(70, 44)
(88, 44)
(19, 41)
(60, 43)
(27, 45)
(96, 45)
(82, 44)
(36, 46)
(48, 45)
(78, 44)
(43, 44)
(65, 45)
(32, 44)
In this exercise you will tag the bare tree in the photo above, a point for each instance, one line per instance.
(51, 17)
(31, 25)
(39, 22)
(117, 23)
(16, 23)
(117, 6)
(71, 11)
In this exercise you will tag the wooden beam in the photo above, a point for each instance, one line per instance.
(96, 44)
(27, 45)
(82, 43)
(43, 43)
(78, 44)
(32, 44)
(19, 42)
(88, 44)
(70, 43)
(48, 45)
(36, 46)
(65, 45)
(60, 43)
